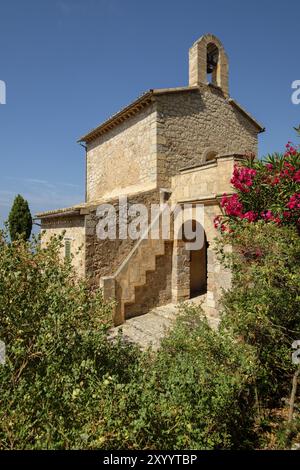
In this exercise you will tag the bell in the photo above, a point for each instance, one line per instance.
(212, 61)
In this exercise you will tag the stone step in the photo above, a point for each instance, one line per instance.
(142, 262)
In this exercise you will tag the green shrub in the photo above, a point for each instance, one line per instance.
(263, 306)
(195, 393)
(57, 351)
(65, 385)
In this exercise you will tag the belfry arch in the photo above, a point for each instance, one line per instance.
(207, 57)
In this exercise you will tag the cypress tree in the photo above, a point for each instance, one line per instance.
(19, 219)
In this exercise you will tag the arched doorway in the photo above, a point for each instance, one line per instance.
(197, 261)
(198, 270)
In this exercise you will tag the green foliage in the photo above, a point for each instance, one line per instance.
(263, 306)
(20, 220)
(66, 385)
(194, 394)
(56, 346)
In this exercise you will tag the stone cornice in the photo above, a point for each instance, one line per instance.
(205, 200)
(213, 163)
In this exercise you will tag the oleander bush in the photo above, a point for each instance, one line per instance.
(263, 305)
(266, 190)
(261, 222)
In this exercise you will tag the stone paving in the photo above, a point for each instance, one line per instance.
(149, 329)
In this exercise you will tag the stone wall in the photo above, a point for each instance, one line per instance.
(190, 122)
(123, 160)
(175, 131)
(180, 272)
(218, 278)
(71, 228)
(103, 257)
(204, 181)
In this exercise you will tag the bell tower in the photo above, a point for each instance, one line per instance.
(208, 62)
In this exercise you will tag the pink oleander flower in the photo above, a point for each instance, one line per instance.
(294, 202)
(217, 221)
(296, 176)
(232, 205)
(291, 149)
(220, 225)
(250, 216)
(275, 181)
(289, 166)
(242, 178)
(267, 215)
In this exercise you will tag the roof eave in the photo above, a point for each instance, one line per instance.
(247, 115)
(132, 109)
(119, 117)
(57, 213)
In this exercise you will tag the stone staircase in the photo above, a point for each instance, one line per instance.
(134, 274)
(149, 329)
(131, 274)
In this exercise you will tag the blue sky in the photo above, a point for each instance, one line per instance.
(69, 64)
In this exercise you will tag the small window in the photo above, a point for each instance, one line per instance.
(68, 249)
(211, 156)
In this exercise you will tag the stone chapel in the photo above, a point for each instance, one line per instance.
(174, 146)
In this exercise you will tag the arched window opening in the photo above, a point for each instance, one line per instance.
(212, 59)
(211, 156)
